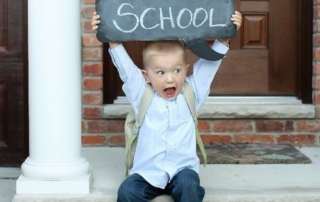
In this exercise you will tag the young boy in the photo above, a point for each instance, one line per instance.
(165, 160)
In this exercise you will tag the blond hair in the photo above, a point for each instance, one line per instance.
(152, 48)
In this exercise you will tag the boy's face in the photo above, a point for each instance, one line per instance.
(166, 73)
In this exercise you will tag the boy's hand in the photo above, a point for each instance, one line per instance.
(95, 21)
(236, 18)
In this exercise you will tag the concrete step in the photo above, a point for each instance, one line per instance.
(227, 183)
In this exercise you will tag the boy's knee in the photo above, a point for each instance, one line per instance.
(188, 186)
(126, 189)
(188, 190)
(188, 176)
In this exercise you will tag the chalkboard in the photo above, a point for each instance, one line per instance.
(148, 20)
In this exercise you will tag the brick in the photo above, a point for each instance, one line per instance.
(92, 54)
(105, 126)
(318, 112)
(204, 126)
(308, 126)
(88, 10)
(86, 26)
(117, 140)
(90, 40)
(297, 140)
(92, 98)
(316, 13)
(253, 138)
(92, 84)
(315, 26)
(83, 126)
(316, 40)
(92, 112)
(316, 97)
(92, 68)
(274, 126)
(316, 68)
(316, 83)
(208, 139)
(232, 126)
(93, 140)
(316, 54)
(89, 1)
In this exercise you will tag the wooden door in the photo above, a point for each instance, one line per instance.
(263, 56)
(271, 54)
(13, 82)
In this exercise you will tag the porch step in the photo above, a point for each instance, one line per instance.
(223, 183)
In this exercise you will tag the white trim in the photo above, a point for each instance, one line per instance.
(259, 107)
(253, 100)
(237, 100)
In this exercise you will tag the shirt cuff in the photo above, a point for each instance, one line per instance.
(117, 51)
(220, 47)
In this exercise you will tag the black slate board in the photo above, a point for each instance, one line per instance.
(149, 20)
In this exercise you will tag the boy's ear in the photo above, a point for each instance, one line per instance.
(187, 66)
(145, 74)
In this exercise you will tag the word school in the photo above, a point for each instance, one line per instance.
(184, 19)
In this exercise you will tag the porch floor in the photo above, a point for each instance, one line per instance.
(223, 182)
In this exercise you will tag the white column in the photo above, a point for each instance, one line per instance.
(55, 164)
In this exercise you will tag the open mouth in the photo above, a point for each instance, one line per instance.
(170, 92)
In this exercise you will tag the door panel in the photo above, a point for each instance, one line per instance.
(283, 48)
(11, 30)
(13, 82)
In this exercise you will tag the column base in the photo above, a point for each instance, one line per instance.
(54, 170)
(28, 186)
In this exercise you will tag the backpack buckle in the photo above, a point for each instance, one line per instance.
(136, 128)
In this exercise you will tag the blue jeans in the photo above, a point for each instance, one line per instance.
(184, 187)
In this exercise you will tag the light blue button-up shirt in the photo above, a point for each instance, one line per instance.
(166, 141)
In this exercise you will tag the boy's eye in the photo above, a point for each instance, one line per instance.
(176, 71)
(160, 72)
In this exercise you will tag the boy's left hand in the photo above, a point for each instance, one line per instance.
(237, 19)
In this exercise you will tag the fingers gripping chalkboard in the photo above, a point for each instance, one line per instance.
(148, 20)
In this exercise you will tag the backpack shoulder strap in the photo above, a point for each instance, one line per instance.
(144, 105)
(190, 98)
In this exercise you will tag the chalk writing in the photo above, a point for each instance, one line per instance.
(192, 18)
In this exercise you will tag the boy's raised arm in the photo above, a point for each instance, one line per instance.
(95, 22)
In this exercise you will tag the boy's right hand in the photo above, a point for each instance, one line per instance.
(95, 21)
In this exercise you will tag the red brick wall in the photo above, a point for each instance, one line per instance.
(100, 132)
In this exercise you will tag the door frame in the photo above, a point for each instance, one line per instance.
(305, 58)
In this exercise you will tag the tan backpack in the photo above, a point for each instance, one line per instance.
(132, 125)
